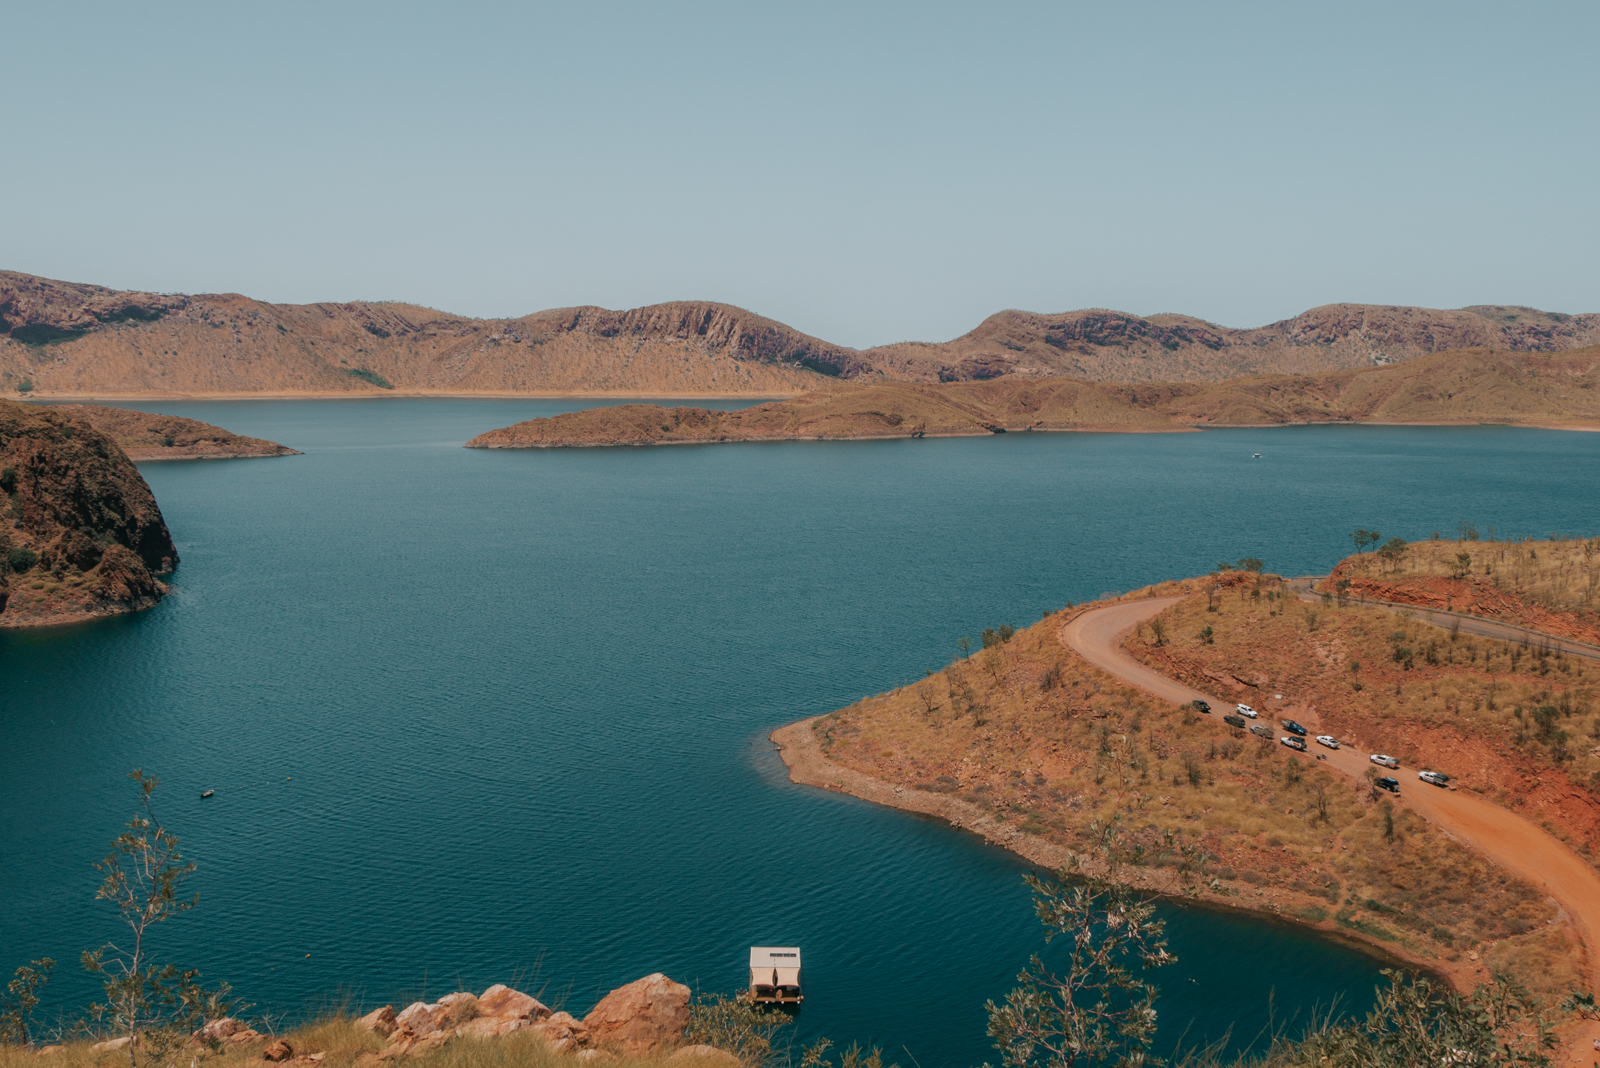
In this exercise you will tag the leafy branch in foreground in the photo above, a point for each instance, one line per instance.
(1416, 1023)
(735, 1024)
(155, 1007)
(22, 994)
(1096, 1010)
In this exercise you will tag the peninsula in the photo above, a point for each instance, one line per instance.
(1047, 732)
(80, 532)
(146, 436)
(1466, 387)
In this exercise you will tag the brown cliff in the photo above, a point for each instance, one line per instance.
(80, 532)
(67, 339)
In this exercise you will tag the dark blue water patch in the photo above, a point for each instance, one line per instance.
(475, 716)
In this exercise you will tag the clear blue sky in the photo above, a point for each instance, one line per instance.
(865, 172)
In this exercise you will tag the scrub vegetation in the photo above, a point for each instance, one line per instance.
(1033, 736)
(1518, 723)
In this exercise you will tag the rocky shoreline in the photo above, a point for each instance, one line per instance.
(644, 1019)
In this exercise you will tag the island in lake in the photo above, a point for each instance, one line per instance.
(1448, 388)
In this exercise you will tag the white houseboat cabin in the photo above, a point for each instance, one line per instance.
(775, 975)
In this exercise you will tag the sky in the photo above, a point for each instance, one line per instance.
(865, 172)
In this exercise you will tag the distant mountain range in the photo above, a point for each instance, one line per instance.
(66, 338)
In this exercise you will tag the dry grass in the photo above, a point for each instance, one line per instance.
(1044, 742)
(341, 1042)
(1519, 724)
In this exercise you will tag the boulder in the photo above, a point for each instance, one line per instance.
(563, 1031)
(501, 1000)
(646, 1018)
(492, 1026)
(112, 1044)
(379, 1021)
(278, 1051)
(706, 1056)
(417, 1018)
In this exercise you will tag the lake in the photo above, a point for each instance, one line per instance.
(479, 716)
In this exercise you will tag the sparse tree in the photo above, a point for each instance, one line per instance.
(22, 995)
(1251, 564)
(1393, 552)
(156, 1007)
(1099, 1009)
(1158, 628)
(1364, 538)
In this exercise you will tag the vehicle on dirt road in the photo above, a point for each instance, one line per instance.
(1264, 732)
(1383, 760)
(1234, 721)
(1434, 777)
(1387, 783)
(1201, 706)
(1328, 740)
(1294, 728)
(1246, 711)
(1293, 742)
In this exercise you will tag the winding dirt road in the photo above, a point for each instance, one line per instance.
(1509, 840)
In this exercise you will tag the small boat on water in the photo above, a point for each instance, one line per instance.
(207, 794)
(775, 975)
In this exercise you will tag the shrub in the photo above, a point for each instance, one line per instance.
(21, 560)
(733, 1024)
(371, 377)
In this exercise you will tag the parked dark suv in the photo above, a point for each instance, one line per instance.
(1294, 728)
(1201, 706)
(1392, 785)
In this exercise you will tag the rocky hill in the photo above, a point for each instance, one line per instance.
(146, 436)
(1474, 386)
(68, 339)
(80, 532)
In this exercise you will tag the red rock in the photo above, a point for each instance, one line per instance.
(278, 1051)
(643, 1019)
(492, 1026)
(379, 1021)
(563, 1031)
(417, 1018)
(501, 1000)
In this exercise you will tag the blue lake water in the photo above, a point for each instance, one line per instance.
(501, 716)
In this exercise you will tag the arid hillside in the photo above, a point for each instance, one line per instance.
(1041, 749)
(80, 532)
(144, 436)
(69, 339)
(1477, 386)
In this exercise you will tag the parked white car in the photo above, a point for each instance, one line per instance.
(1328, 740)
(1384, 761)
(1247, 712)
(1434, 777)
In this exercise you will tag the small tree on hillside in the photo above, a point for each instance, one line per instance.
(1098, 1009)
(1393, 552)
(1364, 538)
(22, 994)
(156, 1007)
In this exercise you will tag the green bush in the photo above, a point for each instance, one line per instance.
(369, 376)
(20, 559)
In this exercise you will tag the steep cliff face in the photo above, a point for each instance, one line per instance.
(80, 532)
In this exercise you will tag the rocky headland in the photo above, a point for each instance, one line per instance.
(67, 339)
(1453, 388)
(146, 436)
(81, 534)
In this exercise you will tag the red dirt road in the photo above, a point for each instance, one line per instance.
(1504, 837)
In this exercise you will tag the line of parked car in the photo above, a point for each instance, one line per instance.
(1295, 740)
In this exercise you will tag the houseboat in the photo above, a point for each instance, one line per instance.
(775, 975)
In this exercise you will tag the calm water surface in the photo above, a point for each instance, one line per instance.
(501, 716)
